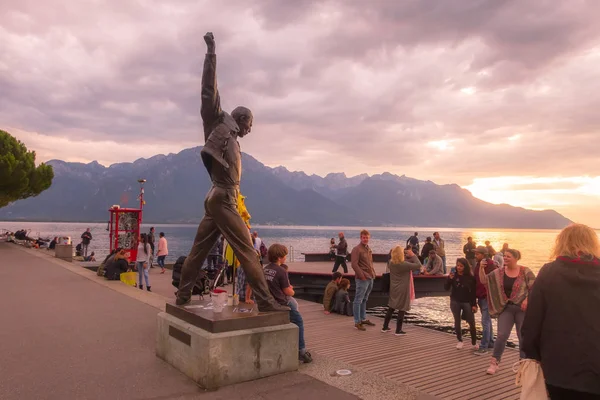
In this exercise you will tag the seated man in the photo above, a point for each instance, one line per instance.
(435, 265)
(330, 290)
(90, 257)
(280, 288)
(78, 250)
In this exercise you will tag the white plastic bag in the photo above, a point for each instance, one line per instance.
(531, 380)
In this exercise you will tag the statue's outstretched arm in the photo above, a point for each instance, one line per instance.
(211, 102)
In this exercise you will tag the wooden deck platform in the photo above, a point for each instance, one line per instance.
(325, 267)
(424, 359)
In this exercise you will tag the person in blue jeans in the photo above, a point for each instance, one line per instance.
(364, 275)
(142, 261)
(278, 282)
(487, 336)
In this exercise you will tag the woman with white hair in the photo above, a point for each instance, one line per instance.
(562, 324)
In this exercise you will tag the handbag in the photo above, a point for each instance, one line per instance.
(530, 378)
(128, 278)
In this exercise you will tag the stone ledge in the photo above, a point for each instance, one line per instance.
(214, 360)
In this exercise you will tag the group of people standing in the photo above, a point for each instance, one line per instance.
(555, 313)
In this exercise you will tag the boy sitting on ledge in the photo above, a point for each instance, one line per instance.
(280, 288)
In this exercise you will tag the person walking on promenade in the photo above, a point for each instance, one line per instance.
(163, 251)
(561, 326)
(440, 248)
(469, 250)
(86, 239)
(487, 336)
(463, 299)
(341, 250)
(401, 265)
(364, 274)
(142, 261)
(507, 289)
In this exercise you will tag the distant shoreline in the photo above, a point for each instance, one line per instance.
(307, 227)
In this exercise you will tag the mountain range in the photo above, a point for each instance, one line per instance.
(177, 184)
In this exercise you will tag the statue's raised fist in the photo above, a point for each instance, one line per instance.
(209, 38)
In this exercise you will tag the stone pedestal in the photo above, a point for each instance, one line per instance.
(219, 349)
(64, 252)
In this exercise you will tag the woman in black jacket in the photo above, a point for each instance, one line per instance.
(462, 299)
(561, 329)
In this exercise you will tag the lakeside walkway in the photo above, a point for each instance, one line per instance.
(75, 335)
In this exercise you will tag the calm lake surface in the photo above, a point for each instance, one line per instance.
(535, 247)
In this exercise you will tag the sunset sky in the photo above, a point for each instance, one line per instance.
(500, 97)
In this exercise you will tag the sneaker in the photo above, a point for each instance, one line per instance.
(367, 322)
(493, 367)
(480, 352)
(401, 333)
(384, 330)
(305, 358)
(360, 327)
(459, 345)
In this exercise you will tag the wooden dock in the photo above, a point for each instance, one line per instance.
(424, 359)
(324, 267)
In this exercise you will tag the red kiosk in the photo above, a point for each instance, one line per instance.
(124, 226)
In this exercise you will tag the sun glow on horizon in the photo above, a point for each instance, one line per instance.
(575, 197)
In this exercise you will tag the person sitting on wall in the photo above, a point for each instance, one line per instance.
(119, 265)
(53, 243)
(90, 257)
(341, 302)
(330, 290)
(78, 250)
(435, 265)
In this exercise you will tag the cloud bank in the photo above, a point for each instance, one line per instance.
(447, 91)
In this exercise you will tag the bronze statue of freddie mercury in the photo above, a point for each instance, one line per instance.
(222, 158)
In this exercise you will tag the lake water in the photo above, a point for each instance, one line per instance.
(535, 247)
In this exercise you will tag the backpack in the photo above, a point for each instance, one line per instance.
(263, 250)
(176, 276)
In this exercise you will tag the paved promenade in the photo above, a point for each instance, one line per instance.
(65, 336)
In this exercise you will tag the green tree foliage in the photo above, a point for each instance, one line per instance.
(19, 177)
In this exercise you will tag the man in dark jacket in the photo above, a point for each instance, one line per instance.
(151, 243)
(341, 254)
(414, 242)
(86, 239)
(427, 247)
